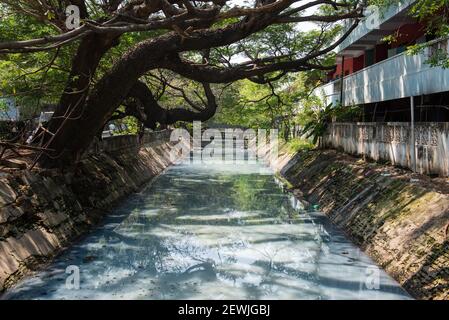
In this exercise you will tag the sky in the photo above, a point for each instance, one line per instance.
(305, 26)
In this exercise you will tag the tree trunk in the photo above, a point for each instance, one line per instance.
(73, 99)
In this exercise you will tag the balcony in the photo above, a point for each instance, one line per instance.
(365, 36)
(400, 76)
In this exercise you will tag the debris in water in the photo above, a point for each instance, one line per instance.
(87, 259)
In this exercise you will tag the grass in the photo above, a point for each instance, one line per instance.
(284, 181)
(297, 144)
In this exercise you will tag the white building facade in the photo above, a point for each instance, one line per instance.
(405, 100)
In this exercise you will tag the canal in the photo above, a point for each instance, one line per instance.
(212, 231)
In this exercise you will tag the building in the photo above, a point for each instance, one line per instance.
(405, 101)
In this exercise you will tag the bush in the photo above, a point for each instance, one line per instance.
(296, 144)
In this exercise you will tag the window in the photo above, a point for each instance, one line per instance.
(369, 57)
(400, 49)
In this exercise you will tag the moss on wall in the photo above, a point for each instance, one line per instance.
(41, 212)
(396, 217)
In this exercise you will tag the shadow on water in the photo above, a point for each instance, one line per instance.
(213, 231)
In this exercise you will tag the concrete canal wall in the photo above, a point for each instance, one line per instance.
(399, 219)
(41, 212)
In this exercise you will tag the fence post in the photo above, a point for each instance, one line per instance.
(412, 134)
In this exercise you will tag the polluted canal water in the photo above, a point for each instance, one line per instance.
(212, 231)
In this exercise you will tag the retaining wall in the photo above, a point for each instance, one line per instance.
(41, 212)
(399, 219)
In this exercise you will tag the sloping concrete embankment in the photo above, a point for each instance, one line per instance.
(41, 212)
(400, 222)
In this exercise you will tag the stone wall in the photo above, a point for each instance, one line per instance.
(44, 211)
(391, 142)
(400, 222)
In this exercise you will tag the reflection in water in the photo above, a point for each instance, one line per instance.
(213, 231)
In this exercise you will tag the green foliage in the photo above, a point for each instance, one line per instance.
(246, 104)
(36, 79)
(3, 105)
(129, 125)
(434, 14)
(316, 126)
(439, 56)
(252, 105)
(29, 78)
(297, 144)
(318, 118)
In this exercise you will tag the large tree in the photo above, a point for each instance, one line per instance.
(207, 41)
